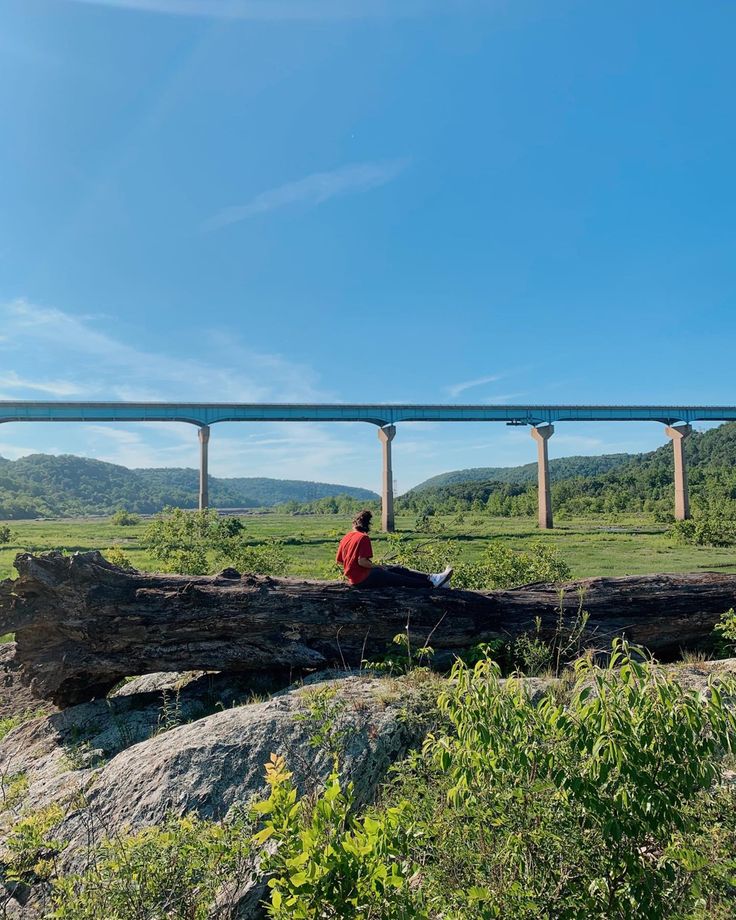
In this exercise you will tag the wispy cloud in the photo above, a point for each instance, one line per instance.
(456, 389)
(275, 10)
(58, 388)
(101, 365)
(107, 368)
(312, 190)
(503, 399)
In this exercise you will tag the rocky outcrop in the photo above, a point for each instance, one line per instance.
(16, 699)
(197, 743)
(82, 624)
(125, 763)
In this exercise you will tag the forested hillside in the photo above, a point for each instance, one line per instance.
(642, 482)
(562, 468)
(41, 485)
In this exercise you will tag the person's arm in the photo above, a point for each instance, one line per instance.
(365, 553)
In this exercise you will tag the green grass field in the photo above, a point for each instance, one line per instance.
(625, 546)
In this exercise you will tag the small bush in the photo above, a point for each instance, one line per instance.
(267, 559)
(180, 540)
(197, 542)
(123, 518)
(725, 629)
(32, 847)
(704, 531)
(173, 871)
(325, 862)
(500, 566)
(6, 534)
(588, 809)
(118, 557)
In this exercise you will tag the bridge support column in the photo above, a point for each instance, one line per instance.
(386, 436)
(541, 435)
(204, 440)
(678, 433)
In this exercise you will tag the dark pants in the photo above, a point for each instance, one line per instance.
(394, 576)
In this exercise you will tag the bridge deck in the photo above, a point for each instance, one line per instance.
(209, 413)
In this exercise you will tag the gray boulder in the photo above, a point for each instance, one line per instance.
(125, 763)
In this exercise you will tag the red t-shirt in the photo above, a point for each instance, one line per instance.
(352, 546)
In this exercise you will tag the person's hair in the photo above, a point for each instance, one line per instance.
(362, 521)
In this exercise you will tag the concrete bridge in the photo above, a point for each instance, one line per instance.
(541, 419)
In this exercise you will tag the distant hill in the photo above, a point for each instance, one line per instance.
(41, 485)
(582, 485)
(563, 468)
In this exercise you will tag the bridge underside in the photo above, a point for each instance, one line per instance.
(676, 419)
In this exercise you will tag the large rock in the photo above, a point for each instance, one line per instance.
(16, 699)
(131, 764)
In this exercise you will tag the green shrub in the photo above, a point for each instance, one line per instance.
(584, 810)
(504, 567)
(500, 566)
(180, 540)
(197, 542)
(173, 872)
(32, 846)
(326, 863)
(123, 518)
(403, 658)
(118, 557)
(6, 534)
(606, 806)
(267, 559)
(703, 531)
(725, 629)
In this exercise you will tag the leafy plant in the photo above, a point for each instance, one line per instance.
(403, 659)
(173, 871)
(31, 846)
(180, 540)
(532, 652)
(118, 557)
(726, 628)
(704, 531)
(123, 518)
(186, 542)
(266, 559)
(170, 715)
(500, 566)
(583, 808)
(326, 863)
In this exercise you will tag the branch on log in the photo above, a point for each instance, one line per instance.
(81, 624)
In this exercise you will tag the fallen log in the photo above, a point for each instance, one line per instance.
(82, 624)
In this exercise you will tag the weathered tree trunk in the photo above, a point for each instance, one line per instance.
(82, 624)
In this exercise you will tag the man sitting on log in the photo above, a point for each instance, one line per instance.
(355, 554)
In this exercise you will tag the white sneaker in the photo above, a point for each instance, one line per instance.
(441, 579)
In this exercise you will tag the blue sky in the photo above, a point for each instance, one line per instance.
(364, 200)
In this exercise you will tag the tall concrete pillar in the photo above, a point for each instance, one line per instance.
(204, 440)
(541, 435)
(386, 436)
(678, 433)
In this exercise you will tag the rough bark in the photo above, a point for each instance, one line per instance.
(82, 624)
